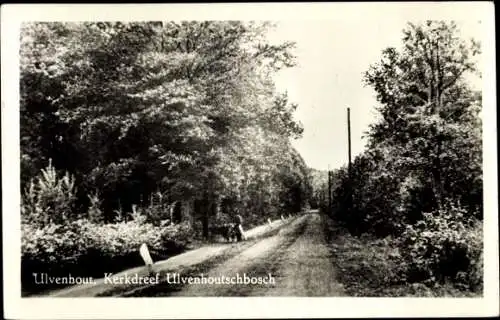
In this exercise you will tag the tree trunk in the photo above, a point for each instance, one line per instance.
(187, 212)
(205, 216)
(438, 175)
(216, 207)
(177, 212)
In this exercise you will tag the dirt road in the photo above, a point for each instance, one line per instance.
(297, 258)
(288, 257)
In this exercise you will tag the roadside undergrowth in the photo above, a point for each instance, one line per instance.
(371, 267)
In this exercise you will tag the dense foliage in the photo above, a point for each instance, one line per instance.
(420, 179)
(143, 116)
(134, 109)
(319, 185)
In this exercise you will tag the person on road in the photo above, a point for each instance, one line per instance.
(238, 227)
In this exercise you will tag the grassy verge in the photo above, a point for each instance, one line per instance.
(370, 267)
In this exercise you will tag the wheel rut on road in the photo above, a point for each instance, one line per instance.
(298, 258)
(234, 252)
(305, 267)
(247, 262)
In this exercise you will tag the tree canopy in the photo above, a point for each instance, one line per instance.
(425, 152)
(183, 110)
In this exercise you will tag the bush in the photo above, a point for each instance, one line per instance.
(48, 198)
(444, 247)
(83, 248)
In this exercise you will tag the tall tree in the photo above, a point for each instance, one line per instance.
(425, 150)
(426, 104)
(144, 108)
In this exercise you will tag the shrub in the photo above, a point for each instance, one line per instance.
(83, 248)
(94, 211)
(51, 243)
(48, 198)
(159, 209)
(444, 246)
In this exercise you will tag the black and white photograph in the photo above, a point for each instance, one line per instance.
(351, 154)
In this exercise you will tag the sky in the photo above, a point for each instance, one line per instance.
(332, 56)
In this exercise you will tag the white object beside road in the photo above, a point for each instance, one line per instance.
(243, 236)
(145, 255)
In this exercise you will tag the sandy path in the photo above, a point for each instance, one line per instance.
(186, 260)
(238, 265)
(306, 268)
(293, 252)
(297, 257)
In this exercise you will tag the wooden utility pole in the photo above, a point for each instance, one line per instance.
(349, 166)
(329, 189)
(349, 138)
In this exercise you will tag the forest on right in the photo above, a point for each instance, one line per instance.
(408, 211)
